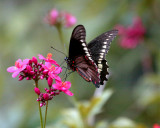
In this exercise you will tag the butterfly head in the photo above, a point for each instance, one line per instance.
(70, 63)
(67, 59)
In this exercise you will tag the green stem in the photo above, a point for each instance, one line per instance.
(59, 29)
(40, 112)
(46, 114)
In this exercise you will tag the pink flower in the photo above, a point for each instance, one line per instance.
(70, 20)
(52, 17)
(48, 59)
(19, 66)
(132, 35)
(63, 86)
(55, 18)
(52, 70)
(37, 91)
(156, 126)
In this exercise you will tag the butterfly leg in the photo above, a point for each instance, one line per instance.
(68, 75)
(66, 68)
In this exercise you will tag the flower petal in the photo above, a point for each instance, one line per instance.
(57, 78)
(68, 92)
(68, 84)
(41, 57)
(56, 86)
(25, 61)
(58, 70)
(11, 69)
(15, 74)
(48, 64)
(54, 62)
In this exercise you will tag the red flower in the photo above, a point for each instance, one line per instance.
(156, 126)
(55, 18)
(52, 70)
(69, 20)
(63, 86)
(132, 35)
(52, 17)
(48, 59)
(19, 66)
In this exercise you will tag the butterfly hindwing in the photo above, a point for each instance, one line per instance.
(87, 69)
(99, 47)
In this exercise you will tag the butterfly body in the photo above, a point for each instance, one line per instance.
(89, 59)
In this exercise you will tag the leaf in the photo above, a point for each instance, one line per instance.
(94, 106)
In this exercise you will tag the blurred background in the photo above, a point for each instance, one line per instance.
(131, 97)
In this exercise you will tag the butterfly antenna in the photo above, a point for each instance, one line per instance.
(58, 51)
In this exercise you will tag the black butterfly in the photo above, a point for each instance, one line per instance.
(89, 59)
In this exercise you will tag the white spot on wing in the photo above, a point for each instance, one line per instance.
(103, 50)
(105, 42)
(82, 40)
(100, 66)
(107, 39)
(101, 56)
(88, 54)
(90, 58)
(85, 48)
(104, 46)
(83, 44)
(99, 70)
(99, 62)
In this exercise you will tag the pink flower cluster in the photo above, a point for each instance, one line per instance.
(48, 69)
(156, 126)
(54, 17)
(132, 35)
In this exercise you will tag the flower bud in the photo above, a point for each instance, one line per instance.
(41, 104)
(46, 96)
(21, 77)
(50, 81)
(37, 91)
(34, 60)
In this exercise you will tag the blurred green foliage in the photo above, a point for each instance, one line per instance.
(135, 99)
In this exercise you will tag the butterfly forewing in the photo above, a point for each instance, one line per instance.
(77, 42)
(99, 47)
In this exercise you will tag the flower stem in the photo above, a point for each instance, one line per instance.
(40, 112)
(59, 29)
(46, 114)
